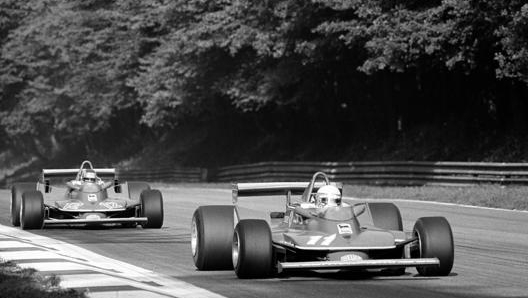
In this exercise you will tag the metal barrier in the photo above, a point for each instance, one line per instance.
(378, 173)
(382, 173)
(164, 175)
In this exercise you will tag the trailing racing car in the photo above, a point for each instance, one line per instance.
(82, 196)
(318, 231)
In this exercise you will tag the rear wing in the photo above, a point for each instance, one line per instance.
(59, 175)
(275, 189)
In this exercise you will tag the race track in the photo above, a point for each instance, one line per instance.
(491, 253)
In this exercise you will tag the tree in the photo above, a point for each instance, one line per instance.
(66, 68)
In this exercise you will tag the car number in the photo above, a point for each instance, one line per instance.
(351, 257)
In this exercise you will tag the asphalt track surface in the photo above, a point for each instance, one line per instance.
(491, 253)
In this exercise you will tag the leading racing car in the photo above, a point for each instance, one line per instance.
(82, 196)
(319, 231)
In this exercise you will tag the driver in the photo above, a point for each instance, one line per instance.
(328, 196)
(88, 176)
(328, 200)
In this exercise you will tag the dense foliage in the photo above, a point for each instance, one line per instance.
(73, 72)
(16, 282)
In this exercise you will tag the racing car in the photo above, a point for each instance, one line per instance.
(309, 234)
(84, 196)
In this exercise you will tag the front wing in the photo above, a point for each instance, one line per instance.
(359, 264)
(356, 263)
(128, 215)
(50, 222)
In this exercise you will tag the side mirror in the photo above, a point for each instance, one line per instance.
(47, 186)
(117, 186)
(359, 209)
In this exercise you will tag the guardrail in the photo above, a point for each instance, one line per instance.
(165, 174)
(378, 173)
(382, 173)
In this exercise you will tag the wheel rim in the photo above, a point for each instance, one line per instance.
(194, 237)
(417, 249)
(13, 211)
(420, 245)
(235, 252)
(21, 215)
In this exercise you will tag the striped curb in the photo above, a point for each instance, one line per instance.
(81, 269)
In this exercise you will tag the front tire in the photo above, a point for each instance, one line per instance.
(435, 240)
(212, 237)
(16, 200)
(252, 252)
(32, 210)
(152, 208)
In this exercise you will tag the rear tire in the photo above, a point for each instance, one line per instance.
(252, 252)
(435, 240)
(387, 216)
(136, 188)
(152, 208)
(16, 199)
(212, 237)
(32, 210)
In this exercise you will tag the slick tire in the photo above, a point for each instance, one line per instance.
(136, 188)
(387, 216)
(212, 237)
(32, 210)
(435, 240)
(16, 199)
(152, 208)
(252, 250)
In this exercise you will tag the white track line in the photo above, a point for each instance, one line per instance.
(437, 203)
(14, 244)
(88, 280)
(148, 283)
(127, 294)
(24, 255)
(54, 266)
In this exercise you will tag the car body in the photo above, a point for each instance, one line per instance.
(359, 235)
(61, 197)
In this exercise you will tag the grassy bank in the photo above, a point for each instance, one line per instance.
(496, 196)
(16, 282)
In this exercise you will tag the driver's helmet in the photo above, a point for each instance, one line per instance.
(89, 176)
(328, 195)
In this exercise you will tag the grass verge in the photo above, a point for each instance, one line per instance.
(495, 196)
(16, 282)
